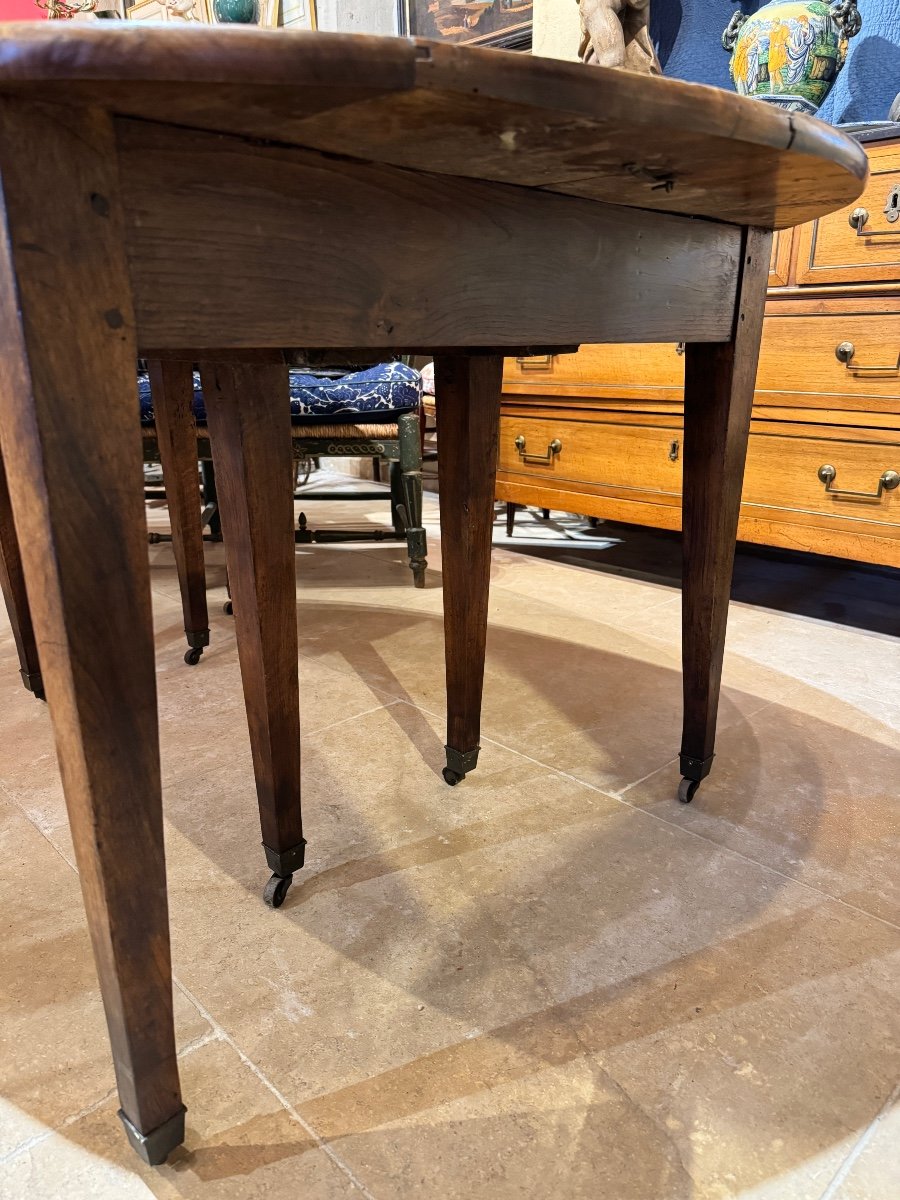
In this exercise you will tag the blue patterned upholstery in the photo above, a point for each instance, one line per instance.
(377, 394)
(688, 36)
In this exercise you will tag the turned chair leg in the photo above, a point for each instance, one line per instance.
(718, 398)
(510, 518)
(72, 448)
(211, 501)
(12, 584)
(172, 389)
(410, 469)
(467, 394)
(248, 412)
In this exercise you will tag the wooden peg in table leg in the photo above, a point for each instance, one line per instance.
(71, 443)
(467, 396)
(172, 390)
(249, 416)
(718, 398)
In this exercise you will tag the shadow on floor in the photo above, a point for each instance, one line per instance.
(809, 585)
(657, 943)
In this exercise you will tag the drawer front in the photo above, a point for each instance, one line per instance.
(799, 367)
(644, 462)
(848, 362)
(626, 371)
(780, 266)
(784, 473)
(621, 457)
(831, 251)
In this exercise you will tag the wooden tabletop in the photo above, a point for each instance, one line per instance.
(610, 136)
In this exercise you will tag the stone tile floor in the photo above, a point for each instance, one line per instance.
(551, 981)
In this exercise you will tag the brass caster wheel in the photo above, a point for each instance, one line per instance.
(452, 777)
(276, 890)
(687, 789)
(228, 608)
(193, 656)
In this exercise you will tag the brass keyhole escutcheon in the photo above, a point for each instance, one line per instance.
(892, 205)
(673, 450)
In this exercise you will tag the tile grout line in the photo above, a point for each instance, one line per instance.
(617, 796)
(203, 1039)
(38, 1138)
(619, 793)
(292, 1112)
(619, 799)
(212, 1035)
(354, 716)
(171, 781)
(34, 825)
(865, 1137)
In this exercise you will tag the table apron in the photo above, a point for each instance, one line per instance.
(236, 244)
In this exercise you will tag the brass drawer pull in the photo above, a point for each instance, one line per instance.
(845, 351)
(538, 362)
(888, 481)
(554, 448)
(859, 218)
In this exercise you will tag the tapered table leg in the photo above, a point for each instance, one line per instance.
(172, 389)
(12, 585)
(248, 412)
(467, 394)
(718, 398)
(71, 443)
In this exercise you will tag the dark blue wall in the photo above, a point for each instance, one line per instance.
(688, 34)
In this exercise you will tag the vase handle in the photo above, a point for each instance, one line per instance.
(846, 16)
(730, 36)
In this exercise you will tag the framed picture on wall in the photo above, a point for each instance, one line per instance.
(168, 10)
(502, 23)
(266, 14)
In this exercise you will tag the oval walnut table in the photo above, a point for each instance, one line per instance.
(461, 202)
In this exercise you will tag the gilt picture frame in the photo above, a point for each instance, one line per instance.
(505, 24)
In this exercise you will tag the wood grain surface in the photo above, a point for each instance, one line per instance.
(233, 244)
(249, 414)
(467, 394)
(72, 448)
(612, 136)
(12, 587)
(172, 393)
(718, 399)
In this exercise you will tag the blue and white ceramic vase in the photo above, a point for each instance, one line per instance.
(789, 53)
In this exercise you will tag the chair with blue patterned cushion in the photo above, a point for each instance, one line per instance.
(372, 412)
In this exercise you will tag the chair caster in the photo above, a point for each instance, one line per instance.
(228, 608)
(192, 657)
(452, 777)
(687, 789)
(276, 890)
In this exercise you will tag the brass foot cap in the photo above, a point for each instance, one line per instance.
(155, 1147)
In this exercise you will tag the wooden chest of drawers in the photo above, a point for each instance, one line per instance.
(600, 432)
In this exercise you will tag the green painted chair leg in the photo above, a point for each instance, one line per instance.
(410, 470)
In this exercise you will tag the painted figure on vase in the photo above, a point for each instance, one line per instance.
(615, 33)
(789, 53)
